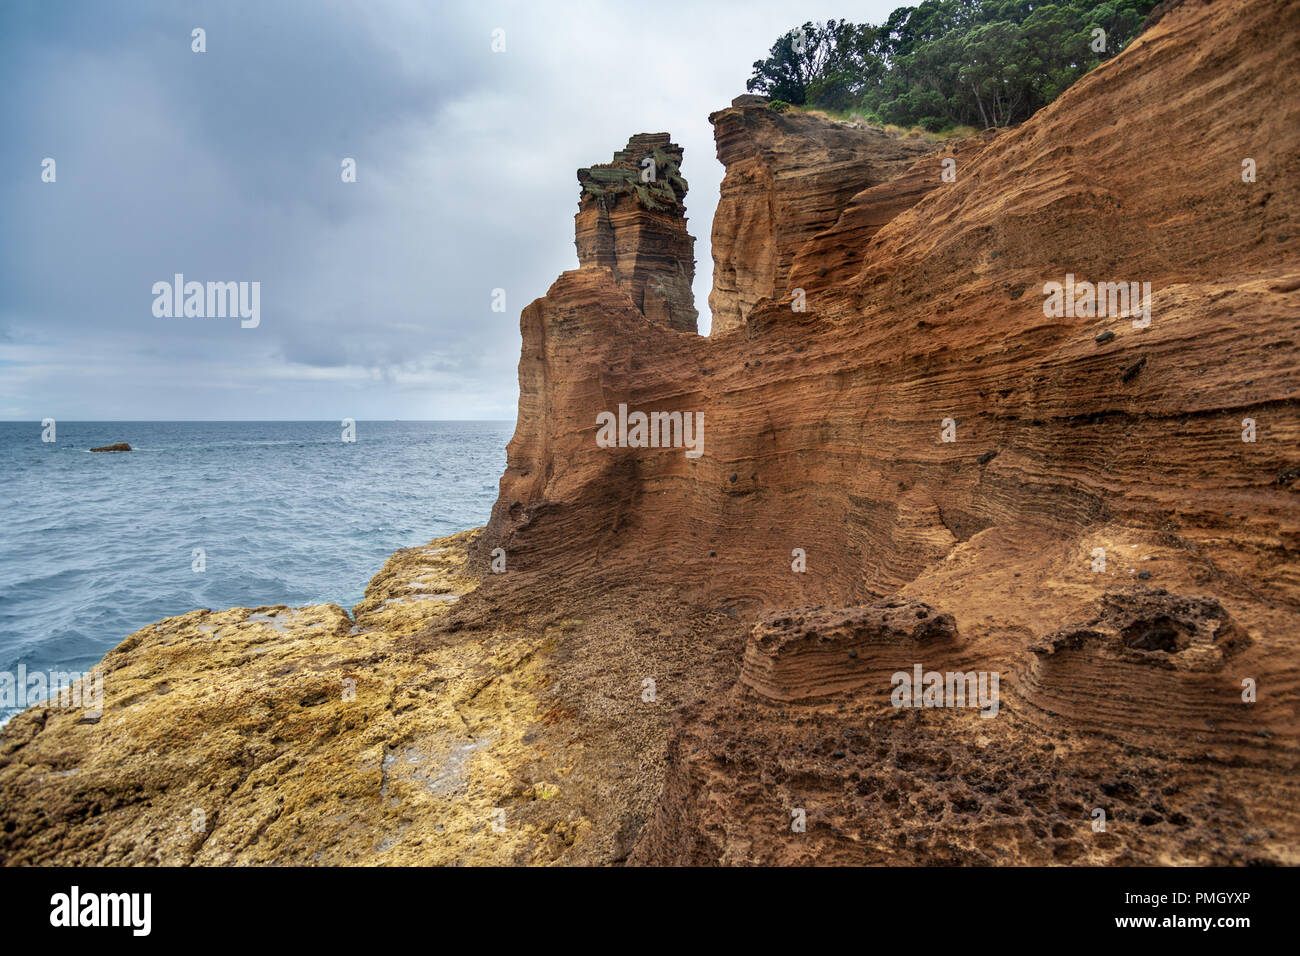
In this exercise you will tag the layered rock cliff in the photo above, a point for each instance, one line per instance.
(631, 220)
(789, 176)
(896, 412)
(1081, 521)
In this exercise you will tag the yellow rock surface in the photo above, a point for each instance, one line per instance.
(294, 735)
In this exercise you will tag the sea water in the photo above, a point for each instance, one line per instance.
(95, 546)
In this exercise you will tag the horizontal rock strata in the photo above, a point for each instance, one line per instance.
(789, 176)
(631, 220)
(814, 652)
(923, 430)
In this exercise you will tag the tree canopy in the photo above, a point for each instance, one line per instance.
(948, 62)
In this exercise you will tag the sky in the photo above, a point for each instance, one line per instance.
(226, 166)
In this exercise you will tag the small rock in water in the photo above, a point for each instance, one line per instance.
(120, 446)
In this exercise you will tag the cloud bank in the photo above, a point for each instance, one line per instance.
(225, 166)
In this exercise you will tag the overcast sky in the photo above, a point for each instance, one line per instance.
(225, 166)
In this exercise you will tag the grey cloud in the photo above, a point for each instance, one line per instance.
(225, 166)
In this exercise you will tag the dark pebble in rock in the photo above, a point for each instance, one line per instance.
(1131, 372)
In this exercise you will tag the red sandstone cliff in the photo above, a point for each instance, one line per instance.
(925, 309)
(631, 220)
(788, 177)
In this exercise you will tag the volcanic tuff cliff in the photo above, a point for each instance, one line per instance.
(651, 681)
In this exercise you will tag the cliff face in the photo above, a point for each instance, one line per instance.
(631, 220)
(788, 177)
(919, 462)
(1069, 484)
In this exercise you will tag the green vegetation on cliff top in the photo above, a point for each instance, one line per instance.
(945, 63)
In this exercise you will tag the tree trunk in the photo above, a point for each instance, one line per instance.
(980, 104)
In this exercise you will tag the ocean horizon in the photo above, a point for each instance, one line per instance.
(216, 514)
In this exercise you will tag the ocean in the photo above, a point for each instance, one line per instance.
(95, 546)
